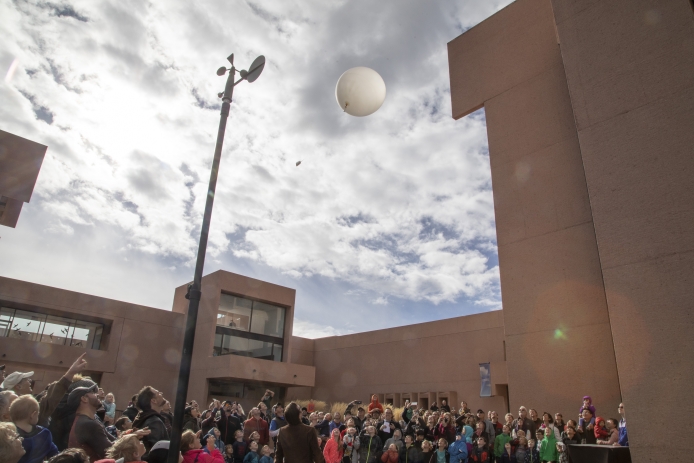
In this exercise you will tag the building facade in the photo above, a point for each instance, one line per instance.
(590, 120)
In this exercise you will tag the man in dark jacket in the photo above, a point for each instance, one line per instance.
(228, 423)
(323, 427)
(524, 423)
(296, 442)
(387, 427)
(150, 402)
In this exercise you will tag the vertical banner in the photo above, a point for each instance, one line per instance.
(485, 380)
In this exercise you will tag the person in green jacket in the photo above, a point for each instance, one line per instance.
(500, 442)
(548, 451)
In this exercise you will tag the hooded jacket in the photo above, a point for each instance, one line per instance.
(375, 405)
(389, 456)
(548, 451)
(458, 451)
(198, 456)
(600, 432)
(219, 445)
(332, 452)
(500, 442)
(370, 448)
(190, 423)
(38, 444)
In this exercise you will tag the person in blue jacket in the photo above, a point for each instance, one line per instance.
(623, 437)
(458, 450)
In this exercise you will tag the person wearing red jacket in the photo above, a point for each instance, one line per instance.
(375, 404)
(257, 424)
(391, 455)
(333, 450)
(191, 448)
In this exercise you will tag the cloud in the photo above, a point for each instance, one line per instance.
(397, 205)
(311, 330)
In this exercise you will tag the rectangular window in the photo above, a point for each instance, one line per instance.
(34, 326)
(485, 380)
(249, 328)
(268, 319)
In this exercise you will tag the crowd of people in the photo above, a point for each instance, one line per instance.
(73, 421)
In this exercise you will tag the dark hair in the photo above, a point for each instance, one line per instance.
(304, 409)
(120, 422)
(551, 420)
(134, 398)
(144, 398)
(70, 456)
(292, 414)
(158, 456)
(360, 409)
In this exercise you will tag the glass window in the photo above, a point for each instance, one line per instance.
(277, 352)
(218, 338)
(56, 330)
(260, 349)
(235, 345)
(27, 325)
(267, 319)
(234, 312)
(6, 316)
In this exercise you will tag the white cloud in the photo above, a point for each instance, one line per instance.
(311, 330)
(397, 204)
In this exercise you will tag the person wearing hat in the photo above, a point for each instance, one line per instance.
(22, 384)
(64, 415)
(88, 433)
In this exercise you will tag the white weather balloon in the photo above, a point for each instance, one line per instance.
(360, 91)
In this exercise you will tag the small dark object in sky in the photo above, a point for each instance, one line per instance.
(298, 162)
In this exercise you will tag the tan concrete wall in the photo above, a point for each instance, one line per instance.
(232, 367)
(140, 349)
(630, 72)
(557, 330)
(432, 360)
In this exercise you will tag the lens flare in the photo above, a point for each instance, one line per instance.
(559, 334)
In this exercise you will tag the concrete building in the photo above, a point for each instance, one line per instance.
(20, 163)
(590, 119)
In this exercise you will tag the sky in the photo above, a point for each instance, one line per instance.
(388, 221)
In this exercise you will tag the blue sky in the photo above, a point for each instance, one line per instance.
(388, 221)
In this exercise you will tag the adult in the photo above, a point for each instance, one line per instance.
(434, 407)
(336, 422)
(488, 426)
(570, 436)
(444, 406)
(445, 429)
(88, 433)
(387, 426)
(587, 433)
(256, 424)
(370, 447)
(464, 409)
(548, 423)
(150, 402)
(408, 411)
(228, 423)
(6, 399)
(131, 410)
(63, 417)
(279, 421)
(623, 436)
(296, 442)
(360, 418)
(190, 419)
(11, 449)
(524, 423)
(267, 398)
(535, 418)
(375, 404)
(559, 422)
(21, 384)
(323, 426)
(613, 437)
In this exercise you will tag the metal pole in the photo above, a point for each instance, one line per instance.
(194, 291)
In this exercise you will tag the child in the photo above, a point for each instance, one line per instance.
(218, 444)
(507, 455)
(252, 455)
(539, 437)
(561, 451)
(600, 431)
(548, 450)
(457, 450)
(240, 447)
(392, 455)
(38, 441)
(587, 405)
(520, 447)
(265, 451)
(480, 453)
(229, 453)
(533, 456)
(254, 437)
(501, 441)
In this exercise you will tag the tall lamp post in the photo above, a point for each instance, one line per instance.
(194, 290)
